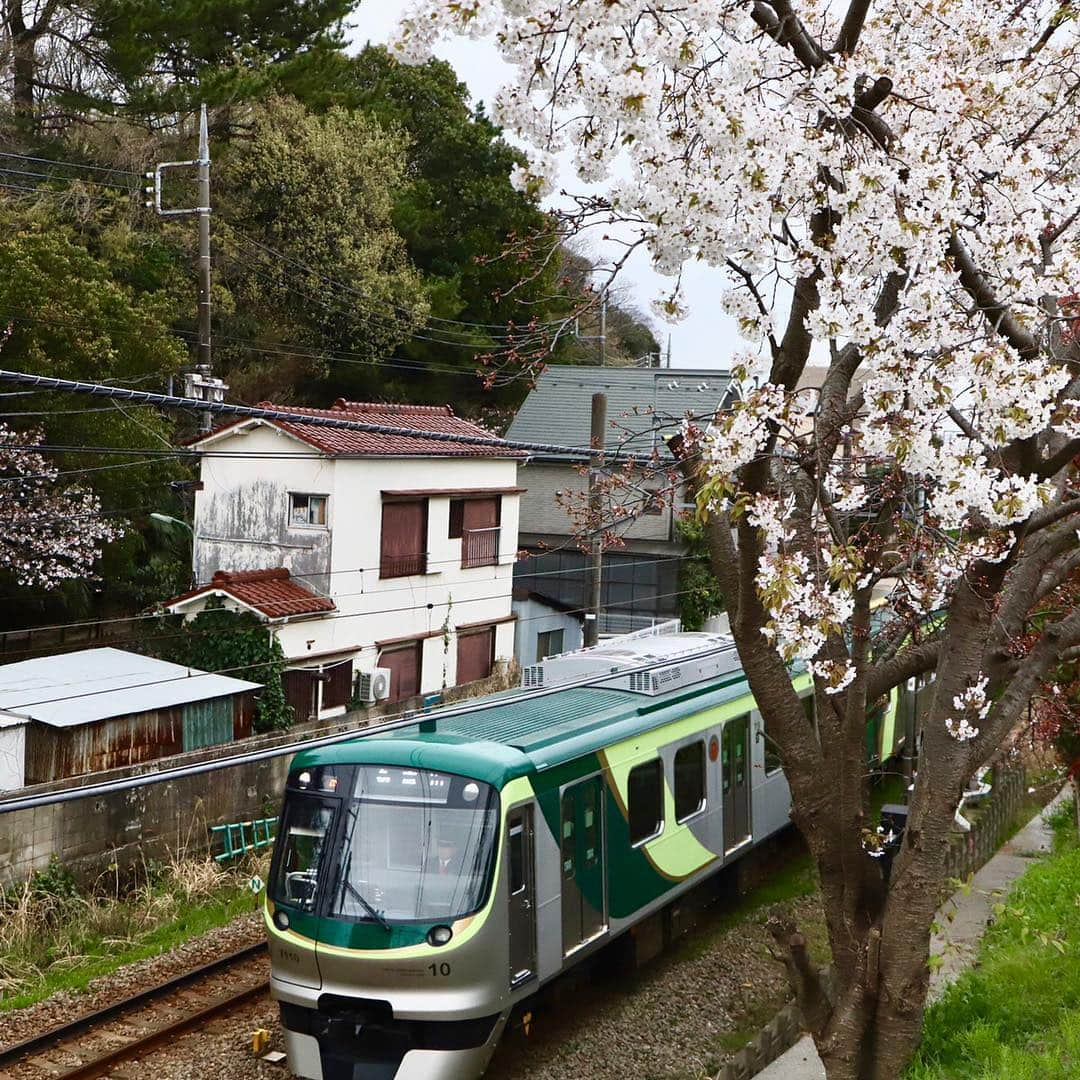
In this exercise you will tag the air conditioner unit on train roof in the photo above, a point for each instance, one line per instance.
(674, 660)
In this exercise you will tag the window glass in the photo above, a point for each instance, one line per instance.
(299, 872)
(548, 643)
(418, 845)
(689, 780)
(567, 844)
(517, 859)
(772, 754)
(307, 509)
(645, 798)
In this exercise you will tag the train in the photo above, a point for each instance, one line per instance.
(427, 880)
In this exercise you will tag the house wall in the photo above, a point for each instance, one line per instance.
(344, 557)
(542, 512)
(535, 618)
(53, 753)
(12, 756)
(372, 609)
(242, 513)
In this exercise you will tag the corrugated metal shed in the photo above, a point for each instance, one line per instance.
(95, 684)
(643, 404)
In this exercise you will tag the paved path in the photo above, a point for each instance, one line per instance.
(958, 939)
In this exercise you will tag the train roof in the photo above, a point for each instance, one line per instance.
(517, 733)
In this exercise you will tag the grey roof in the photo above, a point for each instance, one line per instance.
(643, 404)
(94, 684)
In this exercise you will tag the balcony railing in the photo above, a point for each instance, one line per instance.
(480, 547)
(400, 565)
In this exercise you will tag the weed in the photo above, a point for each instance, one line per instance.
(1016, 1014)
(54, 936)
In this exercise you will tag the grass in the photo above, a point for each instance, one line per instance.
(1015, 1015)
(55, 936)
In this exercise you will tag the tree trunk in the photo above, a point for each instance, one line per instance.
(23, 59)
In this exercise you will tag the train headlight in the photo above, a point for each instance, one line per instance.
(439, 935)
(281, 919)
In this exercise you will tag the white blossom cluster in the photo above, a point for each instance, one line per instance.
(970, 705)
(47, 534)
(716, 144)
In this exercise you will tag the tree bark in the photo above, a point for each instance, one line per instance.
(23, 59)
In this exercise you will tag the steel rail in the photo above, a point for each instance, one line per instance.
(54, 1037)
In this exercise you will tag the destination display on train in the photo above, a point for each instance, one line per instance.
(390, 783)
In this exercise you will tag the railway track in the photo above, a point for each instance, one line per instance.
(94, 1043)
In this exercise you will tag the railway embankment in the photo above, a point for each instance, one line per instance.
(684, 1016)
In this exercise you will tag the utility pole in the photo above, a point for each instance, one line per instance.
(596, 557)
(200, 383)
(668, 364)
(204, 366)
(603, 341)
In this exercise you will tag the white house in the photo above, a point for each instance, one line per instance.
(361, 551)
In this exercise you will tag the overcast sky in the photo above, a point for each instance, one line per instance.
(706, 338)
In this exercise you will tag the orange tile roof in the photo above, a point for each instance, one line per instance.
(273, 593)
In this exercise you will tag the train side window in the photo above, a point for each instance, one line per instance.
(689, 780)
(773, 764)
(568, 837)
(517, 859)
(645, 801)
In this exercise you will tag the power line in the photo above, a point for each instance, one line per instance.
(89, 623)
(69, 164)
(342, 286)
(403, 719)
(514, 446)
(14, 706)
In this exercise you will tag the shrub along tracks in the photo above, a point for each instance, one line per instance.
(124, 1030)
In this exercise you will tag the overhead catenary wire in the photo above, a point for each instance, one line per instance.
(404, 719)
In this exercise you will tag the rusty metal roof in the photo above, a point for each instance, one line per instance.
(273, 593)
(95, 684)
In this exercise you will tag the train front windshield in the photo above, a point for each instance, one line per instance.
(412, 846)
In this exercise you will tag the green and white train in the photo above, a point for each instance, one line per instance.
(426, 880)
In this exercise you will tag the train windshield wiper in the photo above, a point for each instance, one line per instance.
(356, 893)
(369, 908)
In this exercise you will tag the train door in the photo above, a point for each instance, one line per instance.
(522, 878)
(735, 780)
(582, 848)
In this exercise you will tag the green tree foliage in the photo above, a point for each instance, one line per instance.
(169, 55)
(64, 61)
(92, 302)
(240, 645)
(484, 247)
(319, 190)
(629, 334)
(700, 596)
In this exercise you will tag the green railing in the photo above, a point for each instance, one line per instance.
(242, 837)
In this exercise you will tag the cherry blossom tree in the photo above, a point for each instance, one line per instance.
(48, 533)
(891, 190)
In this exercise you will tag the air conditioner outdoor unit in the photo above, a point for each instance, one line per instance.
(373, 686)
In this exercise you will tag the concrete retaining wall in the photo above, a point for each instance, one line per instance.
(126, 827)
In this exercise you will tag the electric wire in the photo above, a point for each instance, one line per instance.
(403, 719)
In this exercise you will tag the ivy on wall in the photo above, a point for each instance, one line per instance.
(239, 645)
